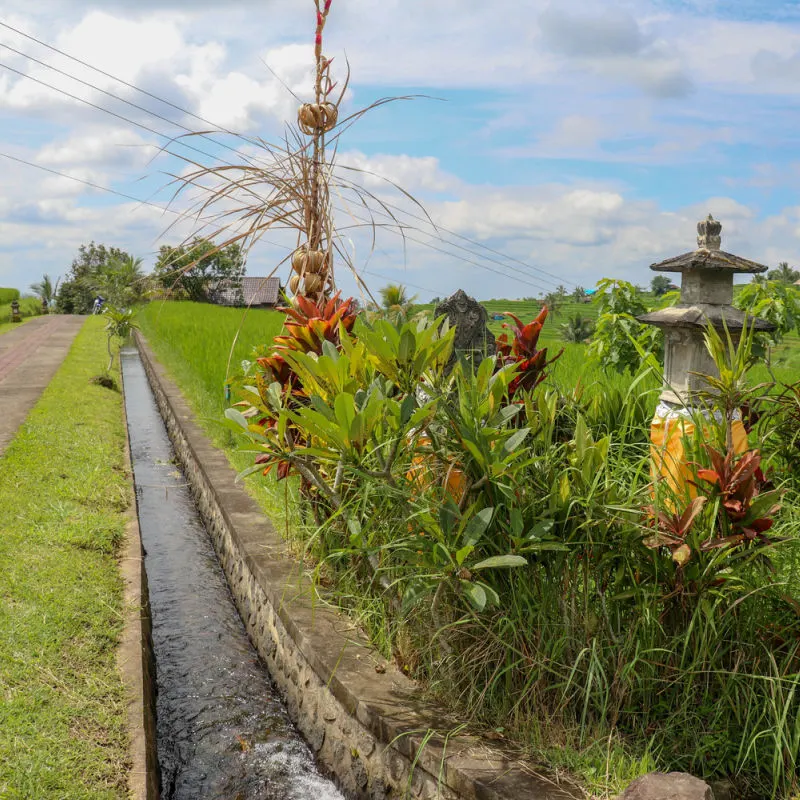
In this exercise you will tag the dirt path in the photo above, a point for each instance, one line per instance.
(29, 357)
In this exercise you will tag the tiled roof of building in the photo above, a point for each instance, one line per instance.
(255, 291)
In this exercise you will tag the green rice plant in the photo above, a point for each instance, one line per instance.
(7, 295)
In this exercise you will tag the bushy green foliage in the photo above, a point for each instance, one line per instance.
(775, 301)
(660, 285)
(603, 654)
(577, 329)
(7, 295)
(119, 325)
(783, 274)
(620, 341)
(199, 268)
(110, 272)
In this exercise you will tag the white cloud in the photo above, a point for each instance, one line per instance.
(378, 172)
(611, 43)
(114, 148)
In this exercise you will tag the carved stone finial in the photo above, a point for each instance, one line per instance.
(708, 234)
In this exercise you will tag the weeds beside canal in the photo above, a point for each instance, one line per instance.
(63, 496)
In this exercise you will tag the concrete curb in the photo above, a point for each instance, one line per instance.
(135, 655)
(368, 727)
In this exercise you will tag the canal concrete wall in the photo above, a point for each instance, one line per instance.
(135, 659)
(362, 717)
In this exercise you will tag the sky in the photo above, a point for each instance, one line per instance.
(549, 143)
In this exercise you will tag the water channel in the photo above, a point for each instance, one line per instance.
(222, 730)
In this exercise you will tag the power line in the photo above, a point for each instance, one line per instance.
(115, 78)
(406, 236)
(158, 133)
(557, 280)
(405, 282)
(89, 183)
(205, 153)
(554, 279)
(114, 114)
(168, 210)
(116, 97)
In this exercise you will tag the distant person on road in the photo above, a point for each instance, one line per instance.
(98, 304)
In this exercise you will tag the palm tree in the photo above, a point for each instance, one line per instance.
(577, 329)
(396, 302)
(784, 273)
(45, 290)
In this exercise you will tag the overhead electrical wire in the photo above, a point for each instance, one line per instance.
(172, 139)
(223, 129)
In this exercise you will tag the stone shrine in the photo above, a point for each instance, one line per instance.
(706, 296)
(472, 339)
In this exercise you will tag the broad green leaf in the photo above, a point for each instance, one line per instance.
(509, 560)
(477, 526)
(234, 415)
(476, 594)
(515, 440)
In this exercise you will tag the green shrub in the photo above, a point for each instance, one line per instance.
(7, 295)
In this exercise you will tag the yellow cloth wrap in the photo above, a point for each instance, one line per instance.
(668, 452)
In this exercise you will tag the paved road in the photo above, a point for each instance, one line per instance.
(29, 357)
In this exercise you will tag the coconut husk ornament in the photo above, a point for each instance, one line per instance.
(313, 283)
(294, 284)
(309, 261)
(317, 117)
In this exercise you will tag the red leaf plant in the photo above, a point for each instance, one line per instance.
(523, 352)
(671, 530)
(309, 326)
(739, 483)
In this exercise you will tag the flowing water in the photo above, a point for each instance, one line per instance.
(222, 729)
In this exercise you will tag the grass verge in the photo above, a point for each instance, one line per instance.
(63, 494)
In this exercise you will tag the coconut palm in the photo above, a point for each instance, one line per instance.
(577, 329)
(45, 289)
(784, 273)
(396, 302)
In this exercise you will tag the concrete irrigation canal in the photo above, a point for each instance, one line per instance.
(222, 730)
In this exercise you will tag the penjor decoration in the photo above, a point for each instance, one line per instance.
(312, 261)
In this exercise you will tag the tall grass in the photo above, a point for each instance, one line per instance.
(202, 346)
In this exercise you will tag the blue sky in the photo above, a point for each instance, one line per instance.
(574, 140)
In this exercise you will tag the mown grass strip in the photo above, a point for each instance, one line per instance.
(63, 494)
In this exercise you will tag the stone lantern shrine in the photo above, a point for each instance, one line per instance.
(706, 297)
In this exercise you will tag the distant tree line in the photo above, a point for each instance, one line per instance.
(194, 271)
